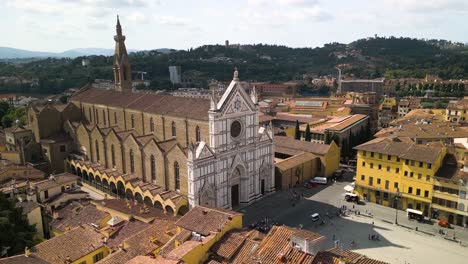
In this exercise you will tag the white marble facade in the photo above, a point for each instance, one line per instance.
(237, 166)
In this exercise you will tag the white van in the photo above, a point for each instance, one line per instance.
(315, 217)
(319, 180)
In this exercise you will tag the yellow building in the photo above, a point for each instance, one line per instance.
(298, 161)
(457, 111)
(449, 200)
(388, 167)
(388, 111)
(197, 232)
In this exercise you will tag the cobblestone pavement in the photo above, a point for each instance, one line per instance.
(397, 244)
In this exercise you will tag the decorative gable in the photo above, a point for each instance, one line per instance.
(203, 151)
(235, 99)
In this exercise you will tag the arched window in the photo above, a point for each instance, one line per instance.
(133, 120)
(96, 143)
(104, 116)
(173, 129)
(124, 72)
(113, 156)
(197, 134)
(132, 162)
(153, 168)
(90, 115)
(115, 118)
(151, 125)
(176, 176)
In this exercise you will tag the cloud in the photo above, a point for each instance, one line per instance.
(278, 13)
(137, 17)
(425, 6)
(171, 21)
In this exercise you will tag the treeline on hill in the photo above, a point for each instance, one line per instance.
(377, 57)
(438, 89)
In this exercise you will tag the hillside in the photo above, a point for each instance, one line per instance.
(365, 58)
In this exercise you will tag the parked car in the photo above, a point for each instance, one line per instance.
(444, 223)
(315, 217)
(310, 184)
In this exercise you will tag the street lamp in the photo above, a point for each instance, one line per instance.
(397, 197)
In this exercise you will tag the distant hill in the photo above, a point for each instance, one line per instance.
(364, 58)
(12, 53)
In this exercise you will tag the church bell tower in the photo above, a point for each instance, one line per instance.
(122, 70)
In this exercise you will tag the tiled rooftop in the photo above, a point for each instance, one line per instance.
(401, 149)
(194, 108)
(205, 220)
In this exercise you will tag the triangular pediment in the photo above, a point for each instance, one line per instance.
(264, 134)
(203, 151)
(235, 99)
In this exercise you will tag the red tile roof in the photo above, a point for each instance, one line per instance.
(194, 108)
(205, 220)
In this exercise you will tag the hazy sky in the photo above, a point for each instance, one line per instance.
(58, 25)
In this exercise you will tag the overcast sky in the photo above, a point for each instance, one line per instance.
(58, 25)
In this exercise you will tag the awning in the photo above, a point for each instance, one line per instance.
(414, 211)
(349, 188)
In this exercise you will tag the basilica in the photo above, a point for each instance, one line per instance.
(160, 150)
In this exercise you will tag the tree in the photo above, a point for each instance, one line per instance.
(308, 135)
(15, 232)
(4, 108)
(297, 132)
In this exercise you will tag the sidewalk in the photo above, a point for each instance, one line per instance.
(387, 215)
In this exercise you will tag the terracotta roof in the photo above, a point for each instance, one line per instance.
(74, 244)
(194, 108)
(349, 256)
(276, 244)
(404, 150)
(125, 231)
(143, 242)
(458, 105)
(150, 260)
(307, 235)
(23, 259)
(121, 206)
(28, 206)
(205, 220)
(428, 130)
(75, 214)
(56, 180)
(291, 143)
(295, 161)
(228, 245)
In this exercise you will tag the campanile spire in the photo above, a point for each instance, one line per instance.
(122, 70)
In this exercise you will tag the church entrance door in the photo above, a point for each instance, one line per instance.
(235, 195)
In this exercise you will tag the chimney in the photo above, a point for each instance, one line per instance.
(281, 258)
(27, 251)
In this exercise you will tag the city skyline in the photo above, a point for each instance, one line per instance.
(58, 25)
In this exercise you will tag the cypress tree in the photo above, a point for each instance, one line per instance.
(308, 135)
(297, 132)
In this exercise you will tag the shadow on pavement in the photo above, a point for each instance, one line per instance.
(341, 230)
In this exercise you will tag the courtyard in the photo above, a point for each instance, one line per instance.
(408, 242)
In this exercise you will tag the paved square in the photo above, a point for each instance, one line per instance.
(397, 244)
